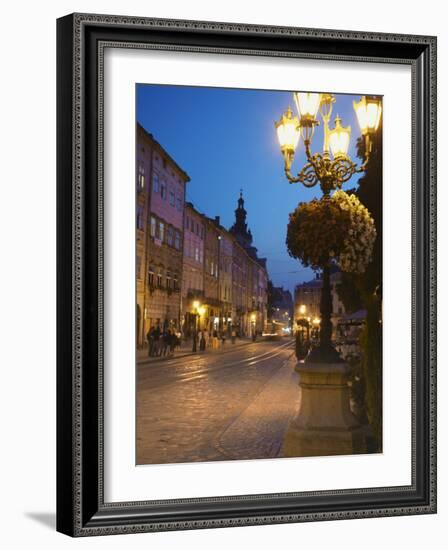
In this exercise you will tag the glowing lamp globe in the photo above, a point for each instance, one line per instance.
(368, 112)
(307, 105)
(288, 132)
(339, 139)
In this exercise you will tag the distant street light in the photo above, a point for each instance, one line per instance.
(197, 313)
(253, 319)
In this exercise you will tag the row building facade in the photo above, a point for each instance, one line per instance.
(191, 272)
(160, 204)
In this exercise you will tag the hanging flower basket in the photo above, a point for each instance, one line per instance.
(338, 228)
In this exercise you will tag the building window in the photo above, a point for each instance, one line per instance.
(140, 217)
(196, 254)
(175, 282)
(141, 176)
(172, 198)
(159, 279)
(161, 231)
(163, 190)
(151, 275)
(155, 183)
(177, 240)
(170, 236)
(153, 226)
(168, 279)
(179, 203)
(202, 232)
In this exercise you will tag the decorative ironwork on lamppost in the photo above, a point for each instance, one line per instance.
(330, 168)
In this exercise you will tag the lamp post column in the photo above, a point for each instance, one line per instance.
(325, 352)
(195, 332)
(326, 310)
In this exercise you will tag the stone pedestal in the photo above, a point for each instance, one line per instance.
(324, 424)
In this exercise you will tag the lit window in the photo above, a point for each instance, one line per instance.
(141, 176)
(161, 231)
(153, 226)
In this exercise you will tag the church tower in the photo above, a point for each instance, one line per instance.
(239, 228)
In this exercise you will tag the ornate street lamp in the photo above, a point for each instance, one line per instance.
(330, 169)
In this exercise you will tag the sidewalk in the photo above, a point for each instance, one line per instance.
(259, 430)
(185, 350)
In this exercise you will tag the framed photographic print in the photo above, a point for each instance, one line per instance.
(246, 274)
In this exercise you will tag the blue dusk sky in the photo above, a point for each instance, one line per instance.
(226, 141)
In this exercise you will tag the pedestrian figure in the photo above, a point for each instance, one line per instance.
(215, 339)
(172, 341)
(150, 339)
(151, 342)
(178, 339)
(202, 341)
(156, 341)
(233, 335)
(165, 342)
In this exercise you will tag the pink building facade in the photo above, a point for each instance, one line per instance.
(160, 202)
(193, 268)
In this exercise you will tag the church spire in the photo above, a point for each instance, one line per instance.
(239, 228)
(241, 200)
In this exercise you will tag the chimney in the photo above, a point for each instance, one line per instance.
(217, 220)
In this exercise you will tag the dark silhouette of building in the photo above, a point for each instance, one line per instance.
(249, 276)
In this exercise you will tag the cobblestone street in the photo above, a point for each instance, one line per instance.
(231, 405)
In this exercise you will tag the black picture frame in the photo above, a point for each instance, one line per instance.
(81, 510)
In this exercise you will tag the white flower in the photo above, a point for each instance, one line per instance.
(358, 244)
